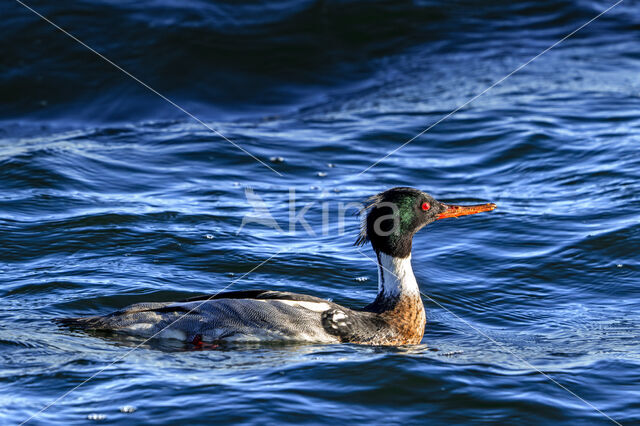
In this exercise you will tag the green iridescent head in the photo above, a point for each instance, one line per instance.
(395, 215)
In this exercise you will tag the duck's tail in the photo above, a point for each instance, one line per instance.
(140, 316)
(83, 323)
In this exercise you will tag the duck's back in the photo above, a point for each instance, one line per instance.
(235, 316)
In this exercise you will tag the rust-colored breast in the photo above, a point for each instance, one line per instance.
(386, 322)
(408, 320)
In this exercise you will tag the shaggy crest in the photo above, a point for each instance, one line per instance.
(372, 201)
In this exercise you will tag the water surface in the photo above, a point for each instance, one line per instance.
(110, 196)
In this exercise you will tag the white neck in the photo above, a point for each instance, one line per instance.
(395, 277)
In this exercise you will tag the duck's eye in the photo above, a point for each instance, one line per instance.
(426, 206)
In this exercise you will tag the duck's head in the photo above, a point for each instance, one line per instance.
(397, 213)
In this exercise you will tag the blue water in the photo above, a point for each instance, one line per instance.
(109, 195)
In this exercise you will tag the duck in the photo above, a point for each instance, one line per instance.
(396, 316)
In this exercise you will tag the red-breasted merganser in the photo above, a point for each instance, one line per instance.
(396, 316)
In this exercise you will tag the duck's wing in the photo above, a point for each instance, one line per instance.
(259, 295)
(254, 315)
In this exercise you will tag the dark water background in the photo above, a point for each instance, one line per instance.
(109, 196)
